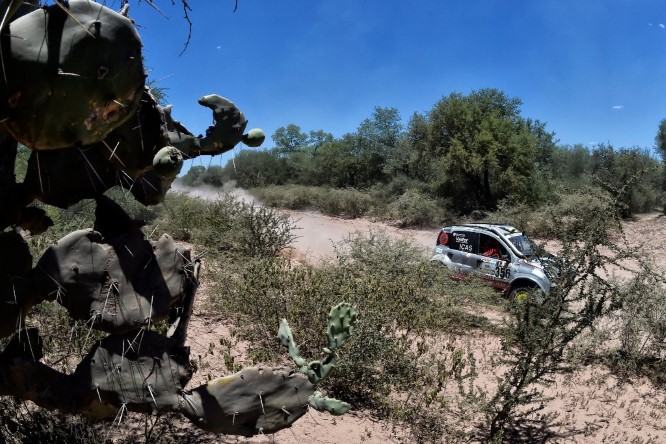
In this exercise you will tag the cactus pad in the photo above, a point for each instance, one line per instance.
(254, 138)
(75, 69)
(113, 278)
(341, 321)
(167, 162)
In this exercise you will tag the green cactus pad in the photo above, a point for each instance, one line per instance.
(229, 124)
(144, 369)
(167, 162)
(254, 138)
(341, 321)
(331, 405)
(75, 69)
(113, 278)
(254, 401)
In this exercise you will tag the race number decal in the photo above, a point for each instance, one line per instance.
(503, 270)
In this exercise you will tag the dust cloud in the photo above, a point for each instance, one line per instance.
(316, 234)
(207, 192)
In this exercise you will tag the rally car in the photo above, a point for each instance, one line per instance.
(499, 254)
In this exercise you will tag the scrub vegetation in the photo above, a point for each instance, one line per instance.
(436, 358)
(469, 156)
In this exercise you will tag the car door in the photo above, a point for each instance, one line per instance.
(493, 261)
(463, 249)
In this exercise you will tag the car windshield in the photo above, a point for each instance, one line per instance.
(522, 244)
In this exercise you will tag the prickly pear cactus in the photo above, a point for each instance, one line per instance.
(254, 138)
(16, 295)
(167, 162)
(75, 68)
(116, 284)
(341, 321)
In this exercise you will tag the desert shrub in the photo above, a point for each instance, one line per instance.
(193, 176)
(256, 168)
(292, 197)
(631, 175)
(543, 330)
(227, 225)
(643, 318)
(396, 187)
(348, 202)
(21, 423)
(415, 209)
(632, 339)
(180, 215)
(398, 292)
(82, 215)
(571, 214)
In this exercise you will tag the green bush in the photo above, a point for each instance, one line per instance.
(348, 202)
(415, 209)
(82, 215)
(542, 331)
(643, 318)
(632, 339)
(227, 225)
(292, 197)
(399, 293)
(20, 423)
(572, 213)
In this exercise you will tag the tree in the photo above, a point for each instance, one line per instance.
(379, 138)
(251, 168)
(318, 138)
(193, 177)
(627, 174)
(660, 141)
(480, 148)
(289, 139)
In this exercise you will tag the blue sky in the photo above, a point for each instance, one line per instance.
(593, 70)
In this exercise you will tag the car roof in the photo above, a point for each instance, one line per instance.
(503, 229)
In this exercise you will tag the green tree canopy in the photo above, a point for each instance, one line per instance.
(660, 141)
(289, 139)
(477, 149)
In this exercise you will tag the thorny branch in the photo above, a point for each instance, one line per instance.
(186, 10)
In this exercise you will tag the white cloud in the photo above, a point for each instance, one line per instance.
(218, 47)
(662, 26)
(618, 106)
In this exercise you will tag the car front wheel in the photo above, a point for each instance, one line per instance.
(521, 294)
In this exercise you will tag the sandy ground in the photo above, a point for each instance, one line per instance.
(589, 405)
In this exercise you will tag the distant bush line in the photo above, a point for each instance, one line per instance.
(468, 156)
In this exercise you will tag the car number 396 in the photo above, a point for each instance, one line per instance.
(502, 272)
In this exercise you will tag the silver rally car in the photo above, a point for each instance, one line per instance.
(499, 254)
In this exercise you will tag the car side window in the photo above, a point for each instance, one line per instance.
(467, 242)
(491, 247)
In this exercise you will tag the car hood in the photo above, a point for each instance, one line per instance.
(549, 263)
